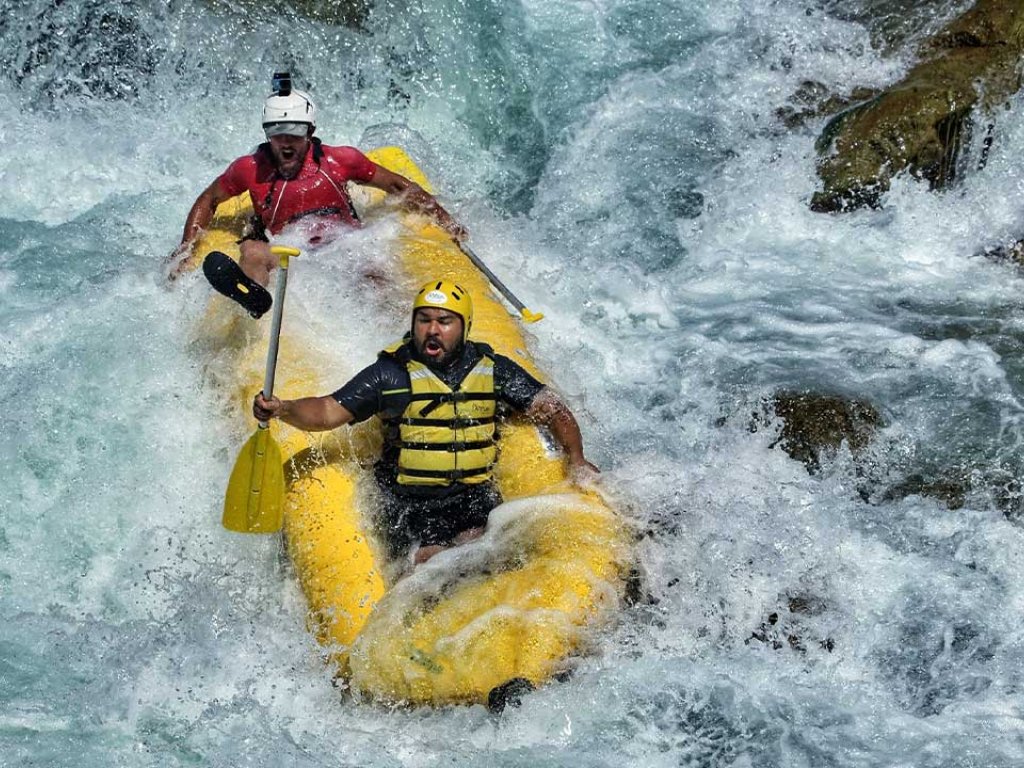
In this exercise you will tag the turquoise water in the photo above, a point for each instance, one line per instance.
(622, 165)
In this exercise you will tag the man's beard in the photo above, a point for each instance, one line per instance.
(445, 360)
(288, 167)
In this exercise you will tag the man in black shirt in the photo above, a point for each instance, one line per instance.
(439, 396)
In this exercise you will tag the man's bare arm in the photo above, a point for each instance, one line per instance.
(312, 414)
(201, 213)
(198, 219)
(414, 198)
(549, 410)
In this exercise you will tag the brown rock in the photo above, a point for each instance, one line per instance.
(951, 491)
(815, 425)
(919, 124)
(813, 100)
(1012, 252)
(351, 13)
(890, 23)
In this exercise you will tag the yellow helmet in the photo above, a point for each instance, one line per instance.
(444, 294)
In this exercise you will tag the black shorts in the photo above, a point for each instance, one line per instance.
(406, 520)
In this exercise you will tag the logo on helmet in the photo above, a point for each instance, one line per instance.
(436, 297)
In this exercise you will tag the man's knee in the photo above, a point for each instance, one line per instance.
(425, 553)
(256, 260)
(256, 251)
(468, 535)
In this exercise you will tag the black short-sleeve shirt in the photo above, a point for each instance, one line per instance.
(383, 388)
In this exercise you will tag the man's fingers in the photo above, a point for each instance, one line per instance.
(264, 409)
(456, 230)
(175, 261)
(584, 474)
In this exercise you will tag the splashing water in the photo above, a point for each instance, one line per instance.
(624, 167)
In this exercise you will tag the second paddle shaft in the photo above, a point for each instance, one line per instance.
(527, 315)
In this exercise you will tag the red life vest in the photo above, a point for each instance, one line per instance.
(317, 189)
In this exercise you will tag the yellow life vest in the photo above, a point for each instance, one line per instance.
(448, 435)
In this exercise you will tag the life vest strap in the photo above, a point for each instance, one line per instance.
(460, 422)
(457, 396)
(450, 474)
(472, 445)
(439, 398)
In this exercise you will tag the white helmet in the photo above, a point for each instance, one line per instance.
(285, 114)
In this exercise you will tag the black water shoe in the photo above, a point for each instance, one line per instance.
(228, 278)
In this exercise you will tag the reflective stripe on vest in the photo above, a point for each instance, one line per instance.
(448, 435)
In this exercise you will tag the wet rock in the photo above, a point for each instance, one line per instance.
(890, 23)
(1012, 252)
(815, 425)
(635, 592)
(813, 100)
(999, 486)
(920, 124)
(351, 13)
(509, 694)
(951, 490)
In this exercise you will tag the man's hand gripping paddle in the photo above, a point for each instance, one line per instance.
(527, 315)
(254, 502)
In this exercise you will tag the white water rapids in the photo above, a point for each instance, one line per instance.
(623, 167)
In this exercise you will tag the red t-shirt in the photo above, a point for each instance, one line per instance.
(318, 188)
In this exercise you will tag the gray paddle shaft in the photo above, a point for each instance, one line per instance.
(275, 335)
(502, 288)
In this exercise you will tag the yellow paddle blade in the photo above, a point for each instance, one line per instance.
(254, 502)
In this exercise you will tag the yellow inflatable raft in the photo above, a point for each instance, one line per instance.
(515, 605)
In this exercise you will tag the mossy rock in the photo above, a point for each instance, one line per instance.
(919, 124)
(951, 490)
(813, 100)
(816, 425)
(350, 13)
(1012, 252)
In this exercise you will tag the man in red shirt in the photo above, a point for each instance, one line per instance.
(293, 176)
